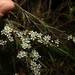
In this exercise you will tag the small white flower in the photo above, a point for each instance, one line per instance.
(2, 42)
(10, 38)
(39, 35)
(39, 66)
(25, 45)
(52, 41)
(8, 29)
(33, 35)
(25, 40)
(25, 32)
(22, 54)
(36, 71)
(50, 44)
(47, 38)
(35, 55)
(20, 34)
(2, 32)
(40, 40)
(70, 37)
(56, 41)
(19, 56)
(32, 63)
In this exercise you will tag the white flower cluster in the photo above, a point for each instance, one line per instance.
(71, 37)
(26, 37)
(40, 38)
(22, 54)
(33, 35)
(34, 66)
(25, 40)
(7, 32)
(2, 42)
(34, 54)
(36, 36)
(46, 39)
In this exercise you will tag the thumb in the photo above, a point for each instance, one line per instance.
(5, 6)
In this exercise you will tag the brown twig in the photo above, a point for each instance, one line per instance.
(65, 23)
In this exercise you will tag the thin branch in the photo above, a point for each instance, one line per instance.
(65, 23)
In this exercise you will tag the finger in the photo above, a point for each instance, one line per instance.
(6, 6)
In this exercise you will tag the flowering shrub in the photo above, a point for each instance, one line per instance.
(27, 52)
(25, 38)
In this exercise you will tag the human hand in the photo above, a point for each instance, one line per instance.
(6, 6)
